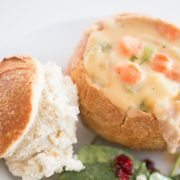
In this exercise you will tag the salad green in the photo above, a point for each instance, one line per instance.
(99, 164)
(99, 153)
(93, 171)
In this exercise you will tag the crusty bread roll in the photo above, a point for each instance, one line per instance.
(38, 115)
(125, 95)
(20, 85)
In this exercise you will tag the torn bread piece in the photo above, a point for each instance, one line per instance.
(39, 108)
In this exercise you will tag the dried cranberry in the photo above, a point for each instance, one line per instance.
(123, 162)
(150, 165)
(123, 166)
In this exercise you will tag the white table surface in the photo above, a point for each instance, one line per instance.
(20, 17)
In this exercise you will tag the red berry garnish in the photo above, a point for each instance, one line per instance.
(150, 165)
(122, 175)
(123, 166)
(123, 162)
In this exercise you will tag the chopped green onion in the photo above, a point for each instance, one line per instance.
(105, 47)
(133, 58)
(147, 54)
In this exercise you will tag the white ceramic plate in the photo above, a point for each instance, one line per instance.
(56, 43)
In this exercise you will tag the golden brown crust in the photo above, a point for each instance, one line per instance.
(134, 128)
(17, 76)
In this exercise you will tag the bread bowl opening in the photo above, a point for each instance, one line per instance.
(135, 62)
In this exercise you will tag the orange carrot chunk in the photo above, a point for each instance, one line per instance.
(129, 46)
(129, 73)
(169, 31)
(174, 73)
(161, 63)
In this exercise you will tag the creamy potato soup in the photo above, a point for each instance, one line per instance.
(135, 62)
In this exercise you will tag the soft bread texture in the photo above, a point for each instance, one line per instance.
(19, 76)
(133, 128)
(38, 116)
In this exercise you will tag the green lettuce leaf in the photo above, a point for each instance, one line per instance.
(95, 171)
(98, 153)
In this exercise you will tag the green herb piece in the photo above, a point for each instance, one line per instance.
(95, 171)
(147, 54)
(143, 106)
(142, 170)
(130, 89)
(176, 166)
(101, 154)
(133, 58)
(105, 47)
(157, 176)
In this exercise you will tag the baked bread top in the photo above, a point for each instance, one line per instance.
(19, 93)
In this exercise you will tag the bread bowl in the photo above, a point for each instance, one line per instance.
(38, 115)
(127, 70)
